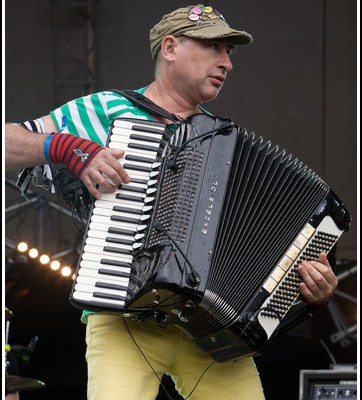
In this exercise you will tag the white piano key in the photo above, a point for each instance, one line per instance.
(121, 127)
(137, 246)
(109, 212)
(102, 235)
(91, 256)
(101, 203)
(136, 152)
(119, 123)
(112, 197)
(136, 164)
(92, 241)
(97, 266)
(104, 220)
(124, 144)
(84, 296)
(100, 250)
(125, 191)
(94, 273)
(148, 200)
(92, 280)
(104, 228)
(119, 134)
(91, 289)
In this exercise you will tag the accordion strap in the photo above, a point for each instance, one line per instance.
(142, 101)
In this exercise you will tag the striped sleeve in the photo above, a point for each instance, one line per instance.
(91, 116)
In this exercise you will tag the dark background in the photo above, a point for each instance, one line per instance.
(296, 85)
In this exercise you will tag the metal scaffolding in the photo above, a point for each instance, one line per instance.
(75, 66)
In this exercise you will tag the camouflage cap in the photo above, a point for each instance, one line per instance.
(200, 22)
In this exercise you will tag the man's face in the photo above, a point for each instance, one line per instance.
(201, 66)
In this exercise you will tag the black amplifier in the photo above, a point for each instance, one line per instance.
(339, 382)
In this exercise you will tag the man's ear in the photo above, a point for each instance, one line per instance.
(168, 47)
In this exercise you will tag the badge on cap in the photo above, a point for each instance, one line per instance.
(205, 13)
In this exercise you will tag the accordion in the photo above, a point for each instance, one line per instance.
(208, 234)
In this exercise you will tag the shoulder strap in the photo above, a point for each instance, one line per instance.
(142, 101)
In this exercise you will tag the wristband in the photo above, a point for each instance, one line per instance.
(46, 146)
(73, 151)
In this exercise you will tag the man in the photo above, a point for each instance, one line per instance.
(191, 48)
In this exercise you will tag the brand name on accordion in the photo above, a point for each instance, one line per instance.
(209, 207)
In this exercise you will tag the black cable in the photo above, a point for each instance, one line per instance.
(154, 371)
(172, 162)
(330, 355)
(143, 355)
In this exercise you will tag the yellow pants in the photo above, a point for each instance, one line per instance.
(118, 369)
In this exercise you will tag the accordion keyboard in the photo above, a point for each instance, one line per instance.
(118, 219)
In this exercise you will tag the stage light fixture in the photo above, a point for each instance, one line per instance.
(55, 265)
(22, 247)
(33, 252)
(44, 259)
(66, 271)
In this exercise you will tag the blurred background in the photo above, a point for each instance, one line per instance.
(295, 85)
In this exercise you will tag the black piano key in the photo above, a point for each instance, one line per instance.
(118, 250)
(116, 263)
(119, 241)
(128, 210)
(130, 188)
(128, 220)
(139, 180)
(121, 231)
(144, 147)
(110, 272)
(146, 129)
(113, 286)
(143, 138)
(109, 296)
(122, 196)
(136, 167)
(132, 157)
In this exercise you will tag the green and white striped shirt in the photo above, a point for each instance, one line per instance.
(90, 116)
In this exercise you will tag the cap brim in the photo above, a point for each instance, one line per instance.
(220, 32)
